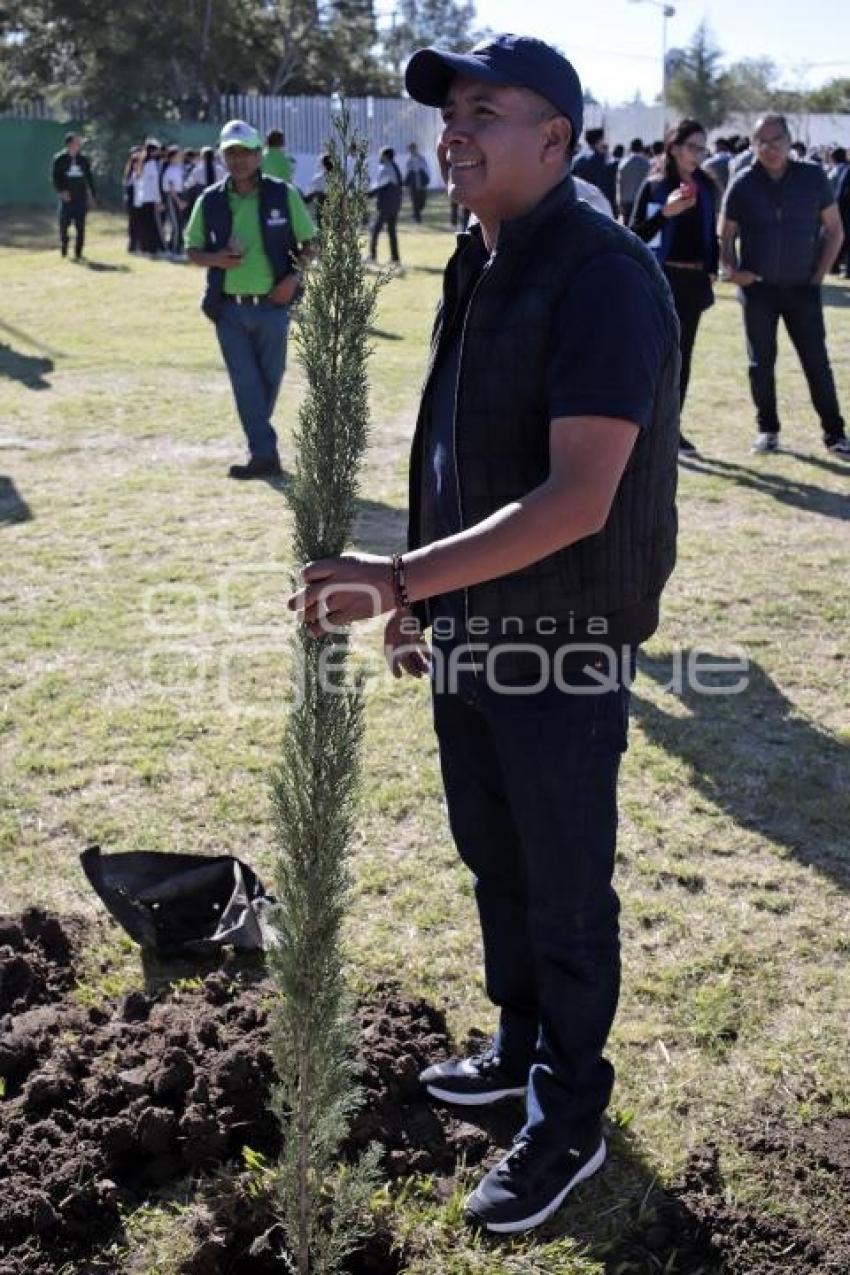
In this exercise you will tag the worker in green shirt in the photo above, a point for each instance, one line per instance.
(276, 163)
(250, 232)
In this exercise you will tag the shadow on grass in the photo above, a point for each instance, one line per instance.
(787, 491)
(819, 462)
(753, 755)
(31, 228)
(621, 1217)
(379, 528)
(385, 336)
(13, 507)
(20, 335)
(103, 267)
(29, 369)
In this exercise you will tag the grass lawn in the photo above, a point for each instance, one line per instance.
(143, 678)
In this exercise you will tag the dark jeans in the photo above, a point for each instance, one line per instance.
(390, 220)
(149, 229)
(531, 786)
(253, 342)
(692, 295)
(73, 212)
(418, 200)
(800, 308)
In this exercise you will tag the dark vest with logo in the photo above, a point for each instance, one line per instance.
(275, 226)
(502, 424)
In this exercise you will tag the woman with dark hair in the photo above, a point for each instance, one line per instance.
(675, 214)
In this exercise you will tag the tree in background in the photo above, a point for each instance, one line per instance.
(322, 1204)
(416, 23)
(323, 47)
(130, 69)
(696, 86)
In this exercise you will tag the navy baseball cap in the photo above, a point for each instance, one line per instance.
(516, 61)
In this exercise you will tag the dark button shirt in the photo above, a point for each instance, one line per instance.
(780, 221)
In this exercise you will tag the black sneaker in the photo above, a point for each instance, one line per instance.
(840, 447)
(472, 1082)
(530, 1184)
(257, 467)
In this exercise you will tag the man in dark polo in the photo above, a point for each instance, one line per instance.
(73, 182)
(785, 219)
(542, 531)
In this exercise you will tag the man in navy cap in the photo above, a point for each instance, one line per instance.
(542, 531)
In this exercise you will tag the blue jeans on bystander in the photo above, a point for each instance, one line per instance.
(253, 343)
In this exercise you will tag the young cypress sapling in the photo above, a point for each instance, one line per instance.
(322, 1205)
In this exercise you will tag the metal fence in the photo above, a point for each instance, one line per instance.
(307, 121)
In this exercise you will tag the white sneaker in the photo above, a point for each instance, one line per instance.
(765, 443)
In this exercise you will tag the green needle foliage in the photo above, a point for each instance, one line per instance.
(322, 1204)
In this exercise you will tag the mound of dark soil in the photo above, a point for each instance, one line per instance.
(106, 1107)
(36, 959)
(806, 1167)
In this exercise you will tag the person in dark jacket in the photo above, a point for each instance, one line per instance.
(73, 182)
(387, 193)
(676, 215)
(541, 533)
(596, 166)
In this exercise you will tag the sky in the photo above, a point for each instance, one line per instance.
(615, 45)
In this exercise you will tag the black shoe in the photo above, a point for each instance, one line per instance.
(257, 467)
(686, 447)
(531, 1183)
(472, 1082)
(765, 441)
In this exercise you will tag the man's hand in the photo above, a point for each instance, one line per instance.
(339, 591)
(743, 278)
(405, 649)
(283, 292)
(65, 196)
(227, 259)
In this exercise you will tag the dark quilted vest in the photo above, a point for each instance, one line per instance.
(502, 424)
(275, 227)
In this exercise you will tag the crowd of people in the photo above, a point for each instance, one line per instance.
(161, 184)
(678, 195)
(765, 213)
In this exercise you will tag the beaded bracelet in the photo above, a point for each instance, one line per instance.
(399, 581)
